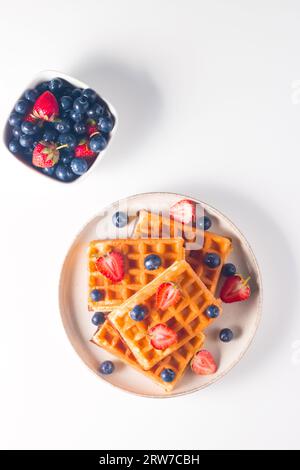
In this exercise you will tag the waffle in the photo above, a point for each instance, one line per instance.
(110, 340)
(136, 276)
(187, 318)
(197, 243)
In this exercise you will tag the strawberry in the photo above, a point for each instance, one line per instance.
(162, 337)
(83, 150)
(111, 266)
(235, 289)
(92, 128)
(183, 211)
(167, 294)
(29, 116)
(45, 155)
(203, 363)
(46, 107)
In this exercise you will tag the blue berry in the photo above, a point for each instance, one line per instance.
(26, 140)
(49, 171)
(56, 84)
(96, 295)
(106, 368)
(66, 103)
(204, 223)
(64, 173)
(79, 166)
(75, 115)
(50, 135)
(96, 111)
(167, 375)
(98, 143)
(89, 94)
(15, 119)
(17, 132)
(29, 128)
(212, 311)
(212, 260)
(63, 126)
(41, 87)
(80, 128)
(68, 139)
(226, 335)
(76, 93)
(105, 124)
(152, 262)
(120, 219)
(228, 270)
(21, 106)
(31, 95)
(98, 318)
(14, 146)
(138, 313)
(66, 156)
(81, 105)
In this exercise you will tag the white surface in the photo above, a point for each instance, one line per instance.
(204, 92)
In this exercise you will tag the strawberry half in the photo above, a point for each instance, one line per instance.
(45, 155)
(167, 294)
(83, 150)
(184, 211)
(46, 107)
(235, 289)
(203, 363)
(162, 337)
(111, 266)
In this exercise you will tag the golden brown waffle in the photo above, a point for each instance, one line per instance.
(151, 224)
(110, 340)
(136, 276)
(187, 318)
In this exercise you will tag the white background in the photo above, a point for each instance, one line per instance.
(207, 98)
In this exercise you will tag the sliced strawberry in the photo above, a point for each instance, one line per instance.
(46, 107)
(45, 155)
(203, 363)
(92, 128)
(83, 150)
(235, 289)
(167, 294)
(111, 266)
(162, 337)
(184, 211)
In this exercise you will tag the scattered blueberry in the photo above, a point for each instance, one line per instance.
(14, 146)
(21, 106)
(80, 128)
(17, 132)
(152, 262)
(90, 95)
(97, 143)
(96, 295)
(66, 103)
(50, 135)
(29, 128)
(15, 119)
(96, 111)
(75, 115)
(226, 335)
(120, 219)
(41, 87)
(228, 270)
(66, 156)
(105, 124)
(204, 223)
(167, 375)
(56, 84)
(63, 126)
(138, 313)
(106, 368)
(79, 166)
(49, 171)
(31, 95)
(212, 260)
(64, 173)
(68, 139)
(98, 318)
(76, 93)
(26, 140)
(212, 311)
(81, 104)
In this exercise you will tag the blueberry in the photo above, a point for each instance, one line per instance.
(66, 103)
(138, 313)
(212, 260)
(98, 318)
(90, 95)
(96, 111)
(228, 270)
(96, 295)
(80, 128)
(15, 119)
(226, 335)
(75, 115)
(79, 166)
(64, 173)
(66, 156)
(167, 375)
(17, 132)
(50, 135)
(98, 143)
(204, 223)
(41, 87)
(68, 139)
(49, 171)
(63, 126)
(152, 262)
(120, 219)
(14, 146)
(105, 124)
(76, 93)
(31, 95)
(26, 140)
(106, 368)
(29, 128)
(21, 106)
(81, 104)
(212, 311)
(56, 84)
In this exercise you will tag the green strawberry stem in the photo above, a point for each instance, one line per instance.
(62, 146)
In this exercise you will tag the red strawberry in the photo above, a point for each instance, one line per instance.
(111, 266)
(92, 128)
(45, 155)
(235, 289)
(167, 294)
(29, 116)
(46, 107)
(203, 363)
(184, 211)
(83, 150)
(162, 336)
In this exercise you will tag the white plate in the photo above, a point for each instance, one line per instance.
(242, 317)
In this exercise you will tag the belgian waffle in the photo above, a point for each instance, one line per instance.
(187, 318)
(110, 340)
(197, 243)
(136, 275)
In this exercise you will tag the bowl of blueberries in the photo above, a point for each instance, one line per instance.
(60, 127)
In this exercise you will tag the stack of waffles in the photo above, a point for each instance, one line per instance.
(181, 250)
